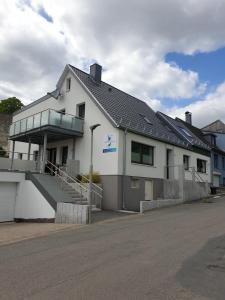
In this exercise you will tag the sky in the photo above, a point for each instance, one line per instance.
(169, 53)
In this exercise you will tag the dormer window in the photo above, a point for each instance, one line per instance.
(68, 84)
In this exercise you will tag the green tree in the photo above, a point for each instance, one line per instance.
(10, 105)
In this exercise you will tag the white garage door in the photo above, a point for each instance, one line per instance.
(7, 201)
(216, 180)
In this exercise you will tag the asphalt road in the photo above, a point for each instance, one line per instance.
(173, 253)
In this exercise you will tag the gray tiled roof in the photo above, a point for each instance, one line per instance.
(184, 131)
(129, 112)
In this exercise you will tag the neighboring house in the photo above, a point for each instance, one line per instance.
(215, 134)
(5, 121)
(138, 153)
(217, 153)
(216, 126)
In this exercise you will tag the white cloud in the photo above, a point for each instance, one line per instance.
(129, 38)
(204, 111)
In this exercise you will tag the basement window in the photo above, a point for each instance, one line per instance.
(135, 183)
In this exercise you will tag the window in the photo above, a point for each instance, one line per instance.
(213, 140)
(35, 156)
(20, 155)
(186, 162)
(223, 162)
(81, 110)
(142, 154)
(135, 183)
(185, 131)
(64, 155)
(216, 161)
(201, 166)
(68, 84)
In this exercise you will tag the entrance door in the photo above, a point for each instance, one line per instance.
(64, 155)
(52, 158)
(148, 190)
(52, 155)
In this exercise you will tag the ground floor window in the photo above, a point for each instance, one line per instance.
(201, 165)
(35, 157)
(186, 162)
(142, 154)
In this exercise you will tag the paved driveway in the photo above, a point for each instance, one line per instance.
(173, 253)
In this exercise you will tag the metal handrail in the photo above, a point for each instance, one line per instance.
(82, 188)
(6, 151)
(94, 184)
(196, 174)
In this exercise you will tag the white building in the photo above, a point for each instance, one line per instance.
(139, 154)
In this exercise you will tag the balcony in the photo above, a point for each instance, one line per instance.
(57, 125)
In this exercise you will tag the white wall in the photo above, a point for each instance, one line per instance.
(104, 163)
(158, 170)
(30, 204)
(27, 202)
(108, 163)
(7, 201)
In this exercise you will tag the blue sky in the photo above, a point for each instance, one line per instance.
(210, 67)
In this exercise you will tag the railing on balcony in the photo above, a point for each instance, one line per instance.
(47, 117)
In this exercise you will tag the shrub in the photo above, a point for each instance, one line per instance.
(96, 178)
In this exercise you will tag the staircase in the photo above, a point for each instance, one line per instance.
(73, 196)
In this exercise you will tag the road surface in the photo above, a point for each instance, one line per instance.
(172, 253)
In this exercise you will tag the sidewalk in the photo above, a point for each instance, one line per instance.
(15, 232)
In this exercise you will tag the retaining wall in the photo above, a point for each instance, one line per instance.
(70, 213)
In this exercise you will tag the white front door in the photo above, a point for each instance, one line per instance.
(7, 201)
(148, 190)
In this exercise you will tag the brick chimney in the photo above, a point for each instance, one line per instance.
(188, 117)
(96, 72)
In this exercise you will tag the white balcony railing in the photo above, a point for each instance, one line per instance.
(47, 117)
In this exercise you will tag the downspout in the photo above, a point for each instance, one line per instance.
(124, 167)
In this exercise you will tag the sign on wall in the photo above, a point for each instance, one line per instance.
(109, 143)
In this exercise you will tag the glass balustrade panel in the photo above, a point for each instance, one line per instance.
(67, 121)
(23, 125)
(44, 117)
(30, 121)
(17, 127)
(55, 118)
(37, 120)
